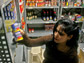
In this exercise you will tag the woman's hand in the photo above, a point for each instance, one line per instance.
(21, 31)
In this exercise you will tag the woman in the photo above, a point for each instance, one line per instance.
(61, 46)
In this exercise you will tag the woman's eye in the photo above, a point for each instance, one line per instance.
(61, 34)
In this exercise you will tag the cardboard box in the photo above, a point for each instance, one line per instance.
(81, 56)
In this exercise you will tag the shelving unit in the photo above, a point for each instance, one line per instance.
(59, 10)
(5, 53)
(13, 51)
(38, 21)
(69, 6)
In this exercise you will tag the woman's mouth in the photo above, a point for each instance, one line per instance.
(55, 38)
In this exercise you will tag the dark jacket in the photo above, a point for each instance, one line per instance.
(51, 54)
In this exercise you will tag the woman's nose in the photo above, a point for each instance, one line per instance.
(56, 34)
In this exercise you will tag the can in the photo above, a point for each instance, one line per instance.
(17, 34)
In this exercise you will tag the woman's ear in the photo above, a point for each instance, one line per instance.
(70, 37)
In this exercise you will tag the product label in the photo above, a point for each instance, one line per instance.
(47, 18)
(44, 18)
(50, 17)
(54, 18)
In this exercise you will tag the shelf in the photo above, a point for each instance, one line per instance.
(39, 21)
(38, 33)
(72, 7)
(6, 3)
(42, 7)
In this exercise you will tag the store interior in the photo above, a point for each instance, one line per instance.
(36, 18)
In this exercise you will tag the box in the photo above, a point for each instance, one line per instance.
(81, 56)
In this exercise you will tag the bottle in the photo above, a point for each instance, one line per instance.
(17, 33)
(30, 15)
(50, 14)
(35, 15)
(44, 15)
(54, 16)
(47, 15)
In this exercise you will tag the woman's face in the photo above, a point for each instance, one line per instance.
(60, 36)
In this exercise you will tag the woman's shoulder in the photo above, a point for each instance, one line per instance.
(72, 52)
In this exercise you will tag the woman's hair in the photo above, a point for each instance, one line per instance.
(70, 28)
